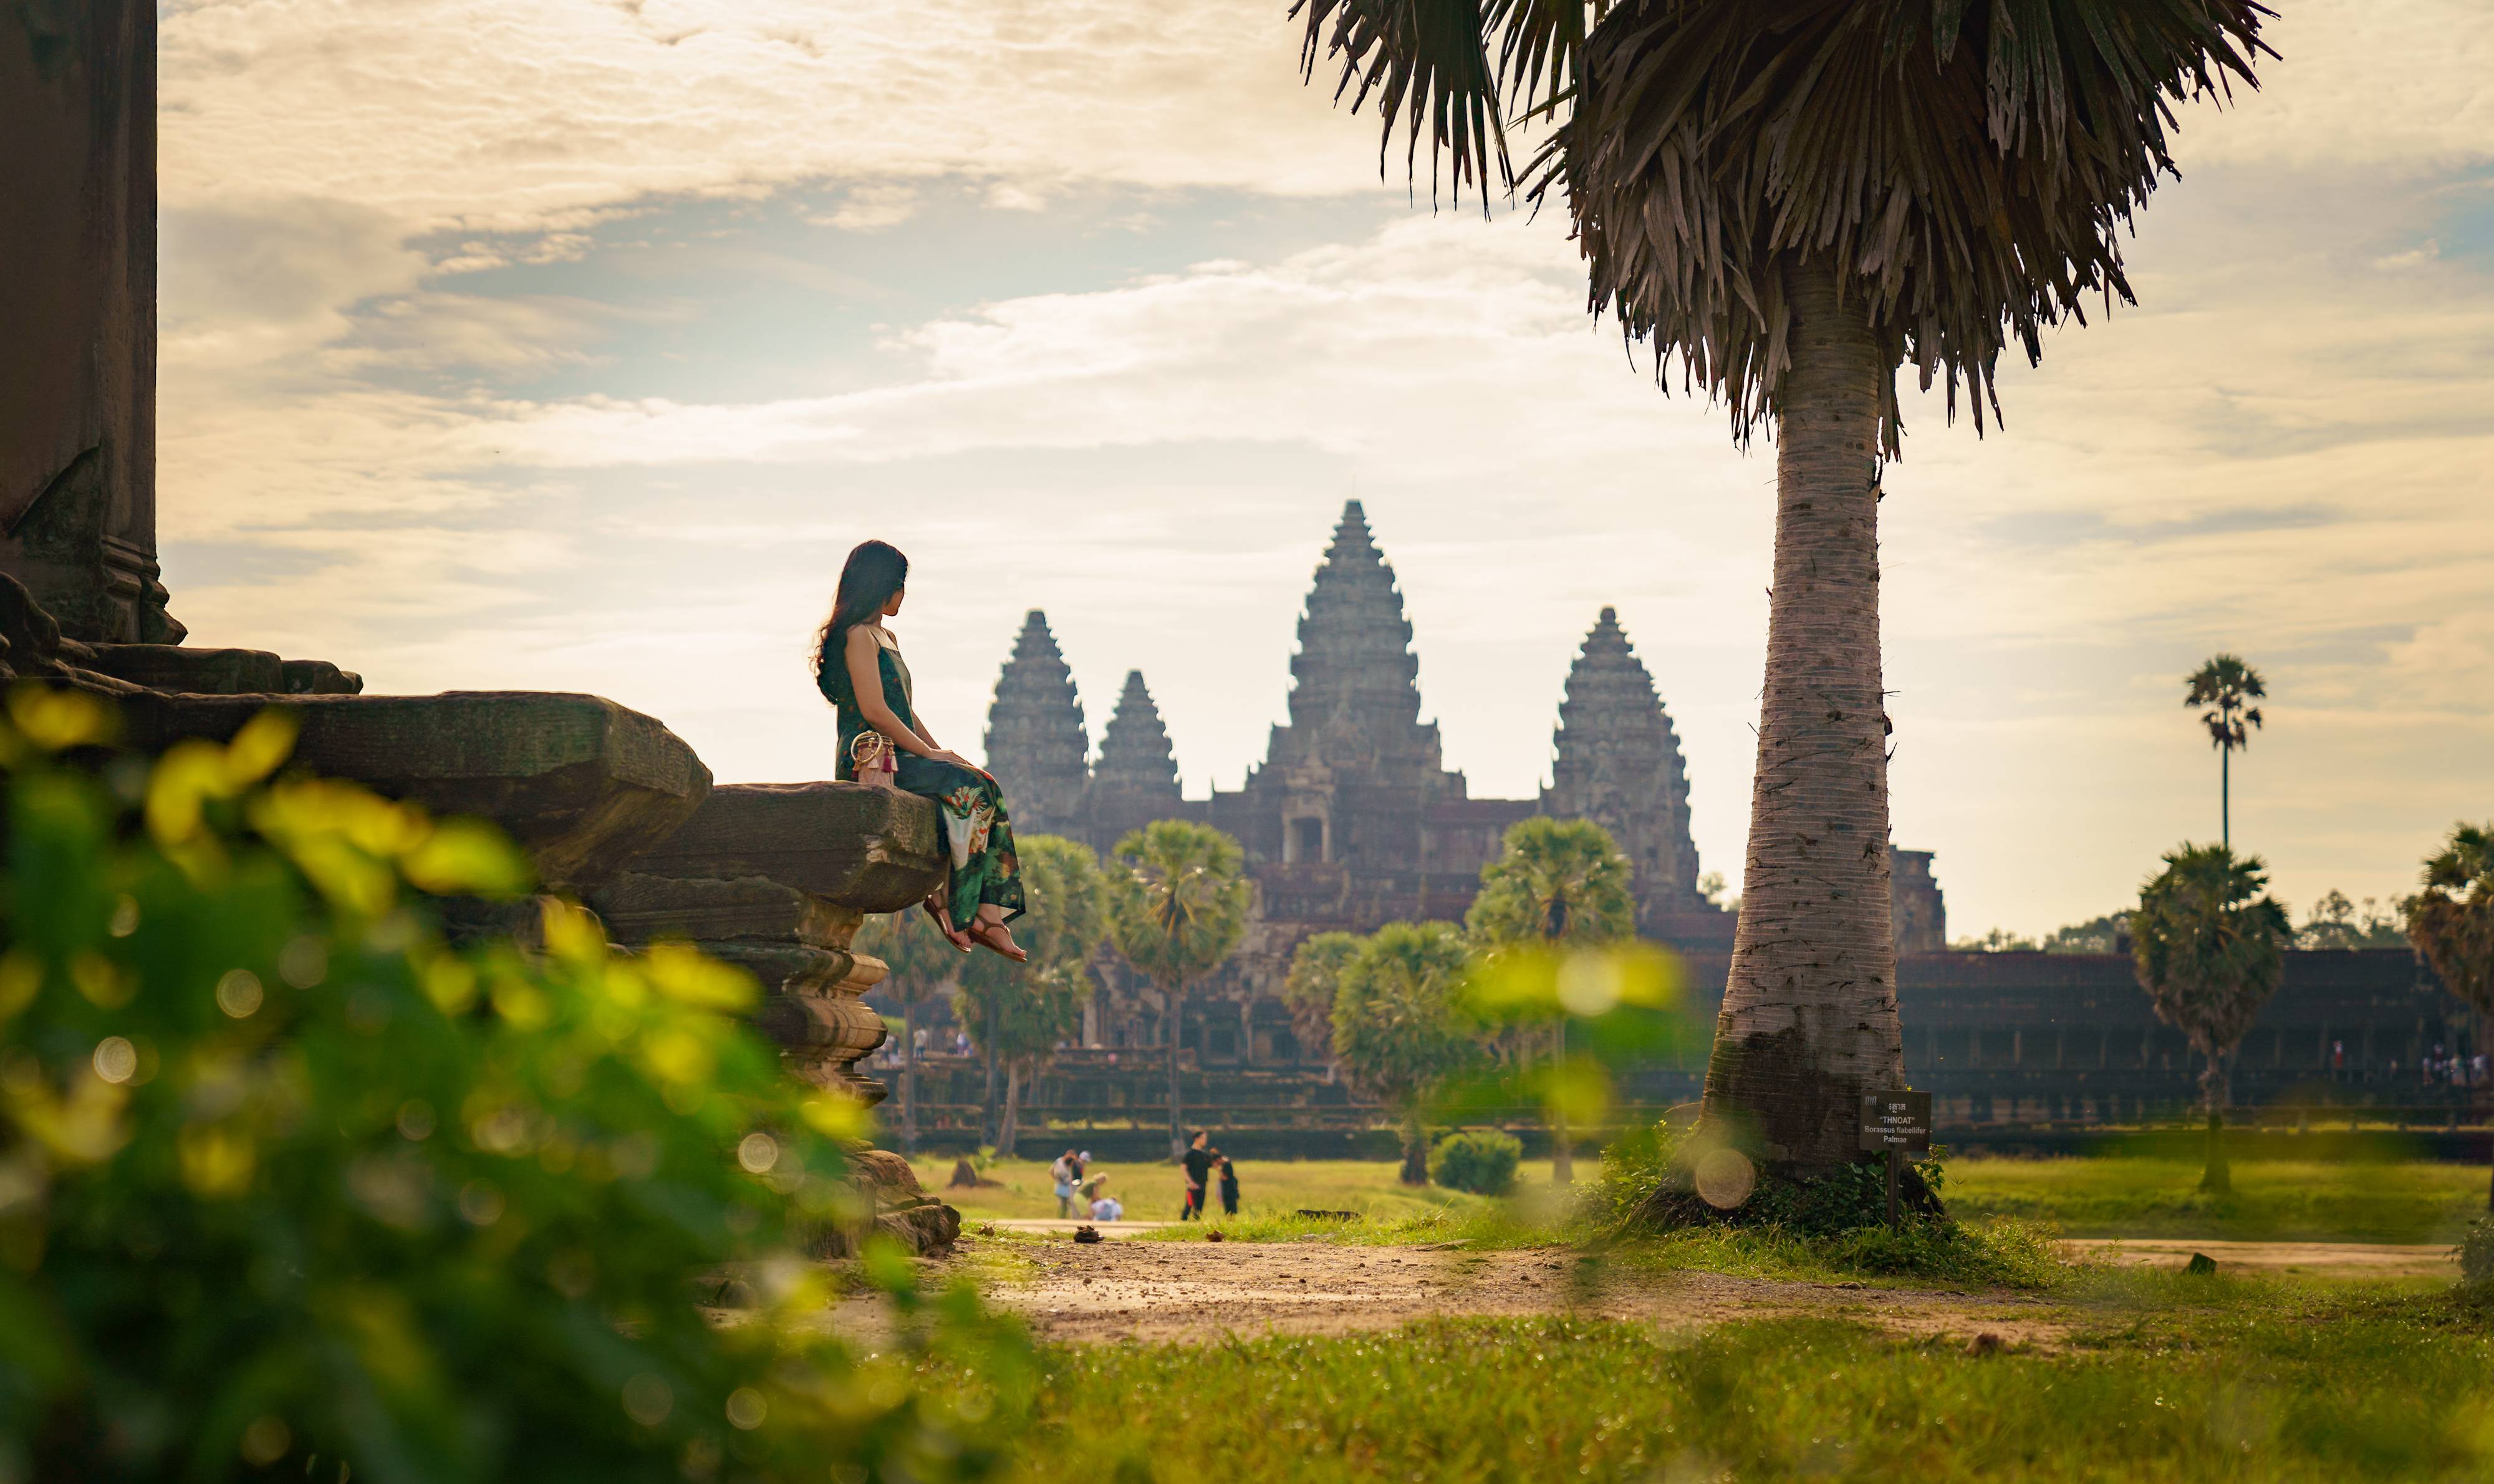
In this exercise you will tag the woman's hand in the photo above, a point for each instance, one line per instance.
(944, 756)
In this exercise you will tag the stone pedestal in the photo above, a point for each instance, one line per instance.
(778, 877)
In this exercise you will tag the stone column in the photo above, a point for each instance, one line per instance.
(77, 314)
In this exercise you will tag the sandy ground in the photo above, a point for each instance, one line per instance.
(1161, 1292)
(2324, 1260)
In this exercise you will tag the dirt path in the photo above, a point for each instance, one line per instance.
(1201, 1290)
(2321, 1260)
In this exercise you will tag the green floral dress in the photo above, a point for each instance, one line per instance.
(976, 830)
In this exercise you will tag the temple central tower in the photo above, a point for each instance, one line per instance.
(1352, 778)
(1355, 693)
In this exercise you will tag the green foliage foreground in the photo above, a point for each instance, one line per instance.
(287, 1183)
(2164, 1380)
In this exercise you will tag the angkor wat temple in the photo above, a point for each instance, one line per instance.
(1354, 820)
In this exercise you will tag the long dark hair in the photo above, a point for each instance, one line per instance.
(874, 571)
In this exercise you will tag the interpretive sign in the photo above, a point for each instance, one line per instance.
(1895, 1124)
(1897, 1121)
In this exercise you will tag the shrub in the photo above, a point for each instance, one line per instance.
(2477, 1254)
(1482, 1161)
(287, 1183)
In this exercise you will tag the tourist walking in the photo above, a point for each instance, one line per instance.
(859, 669)
(1198, 1160)
(1228, 1187)
(1066, 1176)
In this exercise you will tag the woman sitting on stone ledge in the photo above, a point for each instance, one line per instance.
(858, 665)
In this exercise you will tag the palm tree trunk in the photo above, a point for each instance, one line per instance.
(909, 1078)
(987, 1099)
(2226, 797)
(1563, 1160)
(1175, 996)
(2218, 1176)
(1808, 1023)
(1008, 1128)
(1416, 1149)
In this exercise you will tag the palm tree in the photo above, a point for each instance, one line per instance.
(1400, 1027)
(1556, 884)
(1019, 1011)
(1308, 989)
(2211, 950)
(1177, 907)
(1796, 196)
(2226, 687)
(922, 966)
(2452, 921)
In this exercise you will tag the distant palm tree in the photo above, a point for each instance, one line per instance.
(1400, 1027)
(1308, 989)
(1177, 907)
(1019, 1011)
(2226, 687)
(1796, 198)
(1556, 884)
(2211, 950)
(2452, 921)
(923, 966)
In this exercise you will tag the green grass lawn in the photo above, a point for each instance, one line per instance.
(2107, 1196)
(1266, 1189)
(2273, 1199)
(2166, 1380)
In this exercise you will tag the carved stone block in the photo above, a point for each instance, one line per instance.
(582, 784)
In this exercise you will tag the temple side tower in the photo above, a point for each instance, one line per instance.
(1136, 781)
(1036, 743)
(1134, 752)
(1619, 764)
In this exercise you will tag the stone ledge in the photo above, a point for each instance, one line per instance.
(187, 671)
(867, 849)
(582, 784)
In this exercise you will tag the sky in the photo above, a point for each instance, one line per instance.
(570, 346)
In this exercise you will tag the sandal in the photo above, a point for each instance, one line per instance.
(944, 925)
(985, 934)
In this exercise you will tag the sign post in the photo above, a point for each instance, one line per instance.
(1895, 1124)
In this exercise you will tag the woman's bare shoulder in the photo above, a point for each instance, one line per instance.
(865, 638)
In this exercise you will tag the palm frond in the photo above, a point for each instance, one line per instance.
(1963, 166)
(1428, 65)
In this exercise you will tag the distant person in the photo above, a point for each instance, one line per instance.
(1104, 1206)
(1066, 1176)
(859, 669)
(1229, 1188)
(1198, 1160)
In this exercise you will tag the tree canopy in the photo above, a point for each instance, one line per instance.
(2209, 946)
(1037, 1004)
(1963, 169)
(1315, 975)
(2452, 921)
(1178, 898)
(1559, 882)
(1399, 1025)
